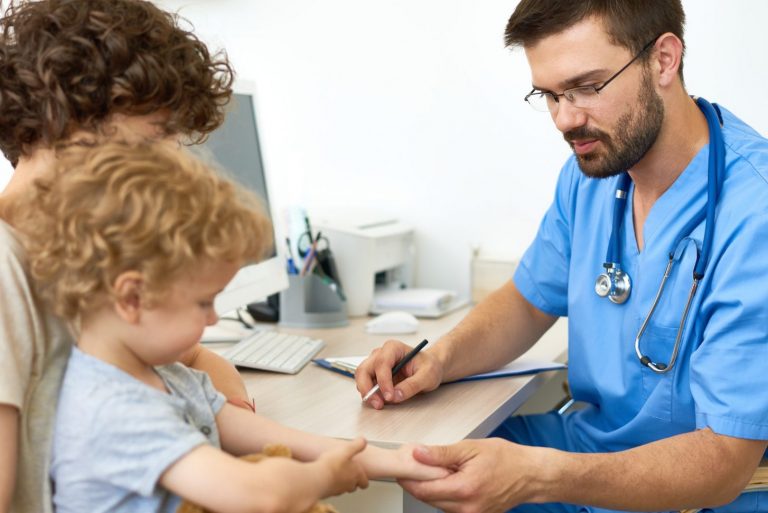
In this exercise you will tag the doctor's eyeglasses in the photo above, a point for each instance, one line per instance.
(583, 97)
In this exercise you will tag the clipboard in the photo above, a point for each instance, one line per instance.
(522, 367)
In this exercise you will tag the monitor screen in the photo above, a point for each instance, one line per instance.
(234, 147)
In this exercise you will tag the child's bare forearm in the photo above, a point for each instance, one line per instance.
(243, 433)
(397, 463)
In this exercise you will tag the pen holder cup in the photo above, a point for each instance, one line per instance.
(311, 302)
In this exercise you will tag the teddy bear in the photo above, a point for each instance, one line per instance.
(279, 451)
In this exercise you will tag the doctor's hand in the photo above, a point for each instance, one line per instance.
(422, 374)
(490, 475)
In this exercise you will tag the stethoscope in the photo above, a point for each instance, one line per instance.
(615, 283)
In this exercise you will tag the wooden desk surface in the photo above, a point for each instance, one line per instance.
(324, 402)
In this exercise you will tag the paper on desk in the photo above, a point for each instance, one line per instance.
(347, 365)
(430, 303)
(412, 299)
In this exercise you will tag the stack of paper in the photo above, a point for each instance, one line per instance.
(419, 302)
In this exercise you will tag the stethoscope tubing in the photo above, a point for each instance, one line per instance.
(715, 171)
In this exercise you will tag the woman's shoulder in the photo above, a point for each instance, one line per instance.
(12, 257)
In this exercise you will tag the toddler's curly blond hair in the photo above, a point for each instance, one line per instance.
(148, 207)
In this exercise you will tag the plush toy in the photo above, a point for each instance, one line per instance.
(279, 451)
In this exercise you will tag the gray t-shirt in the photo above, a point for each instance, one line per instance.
(115, 436)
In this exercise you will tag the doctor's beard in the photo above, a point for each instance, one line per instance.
(636, 131)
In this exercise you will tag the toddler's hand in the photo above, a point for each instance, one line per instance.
(344, 473)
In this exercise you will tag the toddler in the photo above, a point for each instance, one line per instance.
(131, 243)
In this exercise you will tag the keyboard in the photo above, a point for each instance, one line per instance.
(272, 351)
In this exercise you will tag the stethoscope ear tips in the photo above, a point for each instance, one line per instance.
(656, 367)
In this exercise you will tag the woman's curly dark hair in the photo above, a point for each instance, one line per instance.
(68, 65)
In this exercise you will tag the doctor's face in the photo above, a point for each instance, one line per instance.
(614, 133)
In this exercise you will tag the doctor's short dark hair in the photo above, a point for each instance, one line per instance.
(68, 65)
(629, 23)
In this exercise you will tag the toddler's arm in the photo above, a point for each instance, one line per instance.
(398, 463)
(220, 482)
(243, 433)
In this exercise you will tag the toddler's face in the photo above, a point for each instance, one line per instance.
(176, 323)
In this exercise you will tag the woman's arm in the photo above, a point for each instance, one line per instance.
(223, 374)
(9, 433)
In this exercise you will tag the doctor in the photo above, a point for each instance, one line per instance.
(673, 377)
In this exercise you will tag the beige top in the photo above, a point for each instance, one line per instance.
(34, 347)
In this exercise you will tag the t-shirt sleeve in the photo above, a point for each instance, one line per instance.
(139, 438)
(729, 381)
(542, 276)
(215, 398)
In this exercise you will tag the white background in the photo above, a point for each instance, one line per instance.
(415, 108)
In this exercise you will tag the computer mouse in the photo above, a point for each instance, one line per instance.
(393, 323)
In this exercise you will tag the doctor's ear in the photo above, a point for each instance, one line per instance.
(669, 57)
(127, 293)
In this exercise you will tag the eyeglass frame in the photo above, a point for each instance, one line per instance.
(556, 96)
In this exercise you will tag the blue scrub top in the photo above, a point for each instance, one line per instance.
(720, 379)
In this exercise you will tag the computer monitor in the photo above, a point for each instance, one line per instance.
(234, 147)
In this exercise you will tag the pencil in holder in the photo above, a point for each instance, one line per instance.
(312, 301)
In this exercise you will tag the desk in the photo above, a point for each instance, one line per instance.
(327, 403)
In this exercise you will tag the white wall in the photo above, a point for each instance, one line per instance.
(415, 108)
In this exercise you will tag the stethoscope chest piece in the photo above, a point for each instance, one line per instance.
(613, 284)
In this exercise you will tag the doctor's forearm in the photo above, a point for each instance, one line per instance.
(698, 469)
(499, 329)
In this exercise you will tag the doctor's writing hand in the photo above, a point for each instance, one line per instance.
(491, 476)
(422, 374)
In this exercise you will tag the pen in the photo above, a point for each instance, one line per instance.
(310, 257)
(291, 265)
(309, 229)
(397, 368)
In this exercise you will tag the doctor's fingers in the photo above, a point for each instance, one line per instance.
(453, 494)
(422, 374)
(377, 368)
(462, 493)
(452, 456)
(487, 475)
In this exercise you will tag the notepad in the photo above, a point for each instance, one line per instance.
(525, 366)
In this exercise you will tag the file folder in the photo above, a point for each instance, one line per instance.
(522, 367)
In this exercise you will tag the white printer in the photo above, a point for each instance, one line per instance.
(370, 250)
